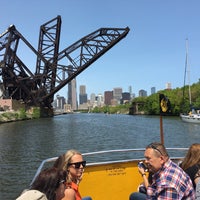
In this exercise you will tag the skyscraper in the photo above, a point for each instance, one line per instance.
(92, 98)
(72, 96)
(142, 93)
(168, 86)
(59, 102)
(108, 96)
(82, 94)
(82, 89)
(125, 97)
(153, 90)
(130, 91)
(117, 94)
(100, 100)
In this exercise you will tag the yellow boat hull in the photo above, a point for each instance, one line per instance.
(110, 181)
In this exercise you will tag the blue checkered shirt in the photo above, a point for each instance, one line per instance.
(171, 182)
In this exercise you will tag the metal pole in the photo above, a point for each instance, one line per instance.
(161, 130)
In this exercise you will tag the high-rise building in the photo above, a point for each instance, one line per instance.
(168, 86)
(82, 94)
(82, 98)
(142, 93)
(108, 96)
(72, 96)
(82, 89)
(59, 102)
(100, 100)
(125, 97)
(92, 98)
(130, 91)
(153, 90)
(117, 94)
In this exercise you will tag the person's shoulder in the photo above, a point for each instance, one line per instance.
(70, 190)
(192, 170)
(33, 195)
(176, 166)
(173, 168)
(70, 193)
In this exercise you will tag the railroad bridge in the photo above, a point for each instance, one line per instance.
(54, 69)
(134, 109)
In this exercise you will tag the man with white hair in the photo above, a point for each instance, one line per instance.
(169, 181)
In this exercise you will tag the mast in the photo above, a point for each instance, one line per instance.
(187, 74)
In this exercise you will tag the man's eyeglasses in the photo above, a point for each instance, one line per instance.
(77, 164)
(155, 148)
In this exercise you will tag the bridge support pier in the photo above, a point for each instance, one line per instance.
(46, 112)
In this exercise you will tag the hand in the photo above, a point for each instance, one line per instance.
(141, 170)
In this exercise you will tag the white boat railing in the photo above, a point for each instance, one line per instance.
(53, 159)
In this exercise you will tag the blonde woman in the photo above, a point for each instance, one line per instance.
(72, 162)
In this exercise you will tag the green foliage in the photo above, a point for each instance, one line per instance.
(22, 113)
(96, 110)
(119, 109)
(150, 105)
(36, 113)
(9, 116)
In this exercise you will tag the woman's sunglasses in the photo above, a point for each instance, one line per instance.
(77, 164)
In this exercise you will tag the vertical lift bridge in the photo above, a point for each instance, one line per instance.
(54, 68)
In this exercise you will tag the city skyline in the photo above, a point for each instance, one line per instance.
(152, 90)
(81, 91)
(112, 97)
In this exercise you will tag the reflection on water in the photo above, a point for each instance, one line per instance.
(23, 145)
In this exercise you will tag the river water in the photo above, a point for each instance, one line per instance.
(24, 144)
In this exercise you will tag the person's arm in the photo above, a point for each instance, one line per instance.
(69, 194)
(144, 176)
(168, 194)
(172, 194)
(197, 188)
(197, 177)
(146, 181)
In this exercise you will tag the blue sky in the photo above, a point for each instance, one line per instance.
(152, 54)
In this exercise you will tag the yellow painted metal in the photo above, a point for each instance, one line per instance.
(110, 181)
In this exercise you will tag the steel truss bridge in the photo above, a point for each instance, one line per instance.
(54, 68)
